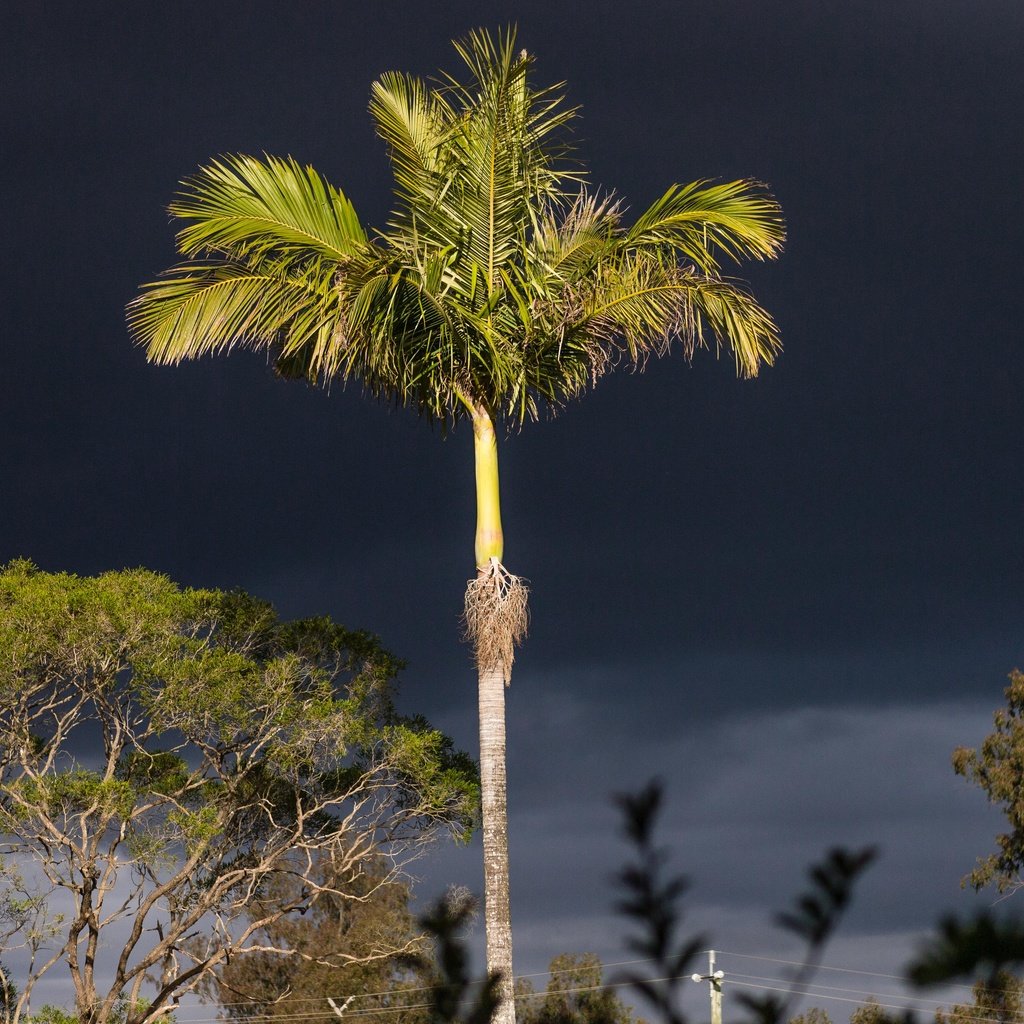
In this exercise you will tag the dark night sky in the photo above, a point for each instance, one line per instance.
(789, 597)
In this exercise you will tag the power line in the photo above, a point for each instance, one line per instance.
(392, 991)
(807, 986)
(541, 974)
(820, 967)
(809, 989)
(884, 1006)
(414, 1006)
(824, 967)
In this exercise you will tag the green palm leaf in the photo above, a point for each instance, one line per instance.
(253, 209)
(414, 121)
(199, 309)
(738, 218)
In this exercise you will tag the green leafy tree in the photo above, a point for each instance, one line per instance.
(50, 1014)
(999, 1000)
(998, 768)
(575, 994)
(168, 757)
(812, 1015)
(503, 285)
(27, 926)
(353, 947)
(871, 1012)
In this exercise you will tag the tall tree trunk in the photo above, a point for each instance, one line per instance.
(495, 621)
(497, 916)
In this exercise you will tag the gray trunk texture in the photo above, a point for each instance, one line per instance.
(497, 915)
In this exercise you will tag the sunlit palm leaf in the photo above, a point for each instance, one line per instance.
(501, 165)
(737, 218)
(199, 309)
(250, 209)
(413, 121)
(651, 306)
(738, 322)
(568, 243)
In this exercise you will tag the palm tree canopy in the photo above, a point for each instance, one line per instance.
(501, 283)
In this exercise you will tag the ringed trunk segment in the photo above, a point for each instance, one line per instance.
(494, 807)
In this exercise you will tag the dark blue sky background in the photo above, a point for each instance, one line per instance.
(789, 597)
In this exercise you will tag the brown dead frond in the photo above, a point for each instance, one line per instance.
(495, 617)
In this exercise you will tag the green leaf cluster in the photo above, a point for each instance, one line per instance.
(167, 719)
(998, 768)
(338, 946)
(575, 994)
(78, 791)
(502, 282)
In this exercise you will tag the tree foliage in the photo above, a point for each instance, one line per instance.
(996, 1001)
(998, 768)
(355, 944)
(871, 1012)
(575, 994)
(8, 994)
(652, 902)
(170, 757)
(812, 1015)
(503, 281)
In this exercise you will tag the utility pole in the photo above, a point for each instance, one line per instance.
(714, 980)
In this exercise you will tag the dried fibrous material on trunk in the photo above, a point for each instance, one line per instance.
(496, 617)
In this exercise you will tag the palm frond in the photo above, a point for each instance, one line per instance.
(399, 337)
(246, 208)
(507, 172)
(738, 322)
(737, 218)
(414, 121)
(475, 161)
(650, 306)
(566, 243)
(202, 308)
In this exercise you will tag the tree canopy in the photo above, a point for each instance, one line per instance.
(998, 768)
(996, 1001)
(575, 994)
(815, 1015)
(169, 757)
(371, 935)
(503, 282)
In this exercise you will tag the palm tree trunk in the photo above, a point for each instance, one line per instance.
(484, 622)
(490, 541)
(497, 916)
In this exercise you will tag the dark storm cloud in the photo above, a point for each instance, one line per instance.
(771, 593)
(751, 800)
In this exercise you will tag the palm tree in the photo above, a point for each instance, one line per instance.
(501, 286)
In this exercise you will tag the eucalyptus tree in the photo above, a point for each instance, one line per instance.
(166, 757)
(502, 285)
(997, 766)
